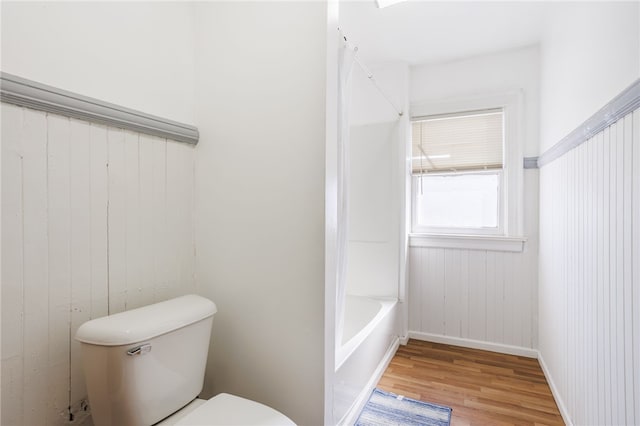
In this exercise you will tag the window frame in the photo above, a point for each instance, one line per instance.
(511, 199)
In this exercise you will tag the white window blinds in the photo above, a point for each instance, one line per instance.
(464, 141)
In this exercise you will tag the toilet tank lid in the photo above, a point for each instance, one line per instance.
(146, 322)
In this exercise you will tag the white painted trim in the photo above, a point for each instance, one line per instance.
(469, 242)
(475, 344)
(31, 94)
(554, 391)
(352, 415)
(330, 206)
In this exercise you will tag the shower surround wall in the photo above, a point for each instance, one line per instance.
(373, 252)
(95, 219)
(376, 182)
(376, 246)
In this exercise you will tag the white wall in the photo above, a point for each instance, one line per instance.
(589, 55)
(472, 296)
(135, 54)
(261, 111)
(590, 275)
(588, 268)
(260, 194)
(481, 295)
(91, 223)
(487, 74)
(89, 227)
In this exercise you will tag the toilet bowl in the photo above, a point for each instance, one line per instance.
(146, 366)
(227, 410)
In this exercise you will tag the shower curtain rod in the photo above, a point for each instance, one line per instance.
(371, 78)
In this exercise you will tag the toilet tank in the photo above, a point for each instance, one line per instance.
(142, 365)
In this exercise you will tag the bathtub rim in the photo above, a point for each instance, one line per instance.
(347, 349)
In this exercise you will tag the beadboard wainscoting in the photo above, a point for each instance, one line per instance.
(478, 298)
(95, 220)
(589, 293)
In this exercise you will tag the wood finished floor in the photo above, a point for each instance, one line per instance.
(483, 388)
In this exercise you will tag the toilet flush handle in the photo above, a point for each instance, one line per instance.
(140, 350)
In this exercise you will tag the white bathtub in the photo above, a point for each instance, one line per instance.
(370, 330)
(361, 316)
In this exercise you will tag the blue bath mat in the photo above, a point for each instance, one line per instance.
(384, 408)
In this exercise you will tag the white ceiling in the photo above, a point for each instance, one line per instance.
(420, 32)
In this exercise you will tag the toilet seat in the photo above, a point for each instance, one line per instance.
(230, 410)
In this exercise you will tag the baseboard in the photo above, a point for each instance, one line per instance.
(554, 391)
(352, 415)
(475, 344)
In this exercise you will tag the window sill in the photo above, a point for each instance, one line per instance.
(470, 242)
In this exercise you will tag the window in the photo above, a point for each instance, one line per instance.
(467, 172)
(464, 200)
(457, 167)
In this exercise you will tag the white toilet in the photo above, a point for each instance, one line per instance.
(146, 366)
